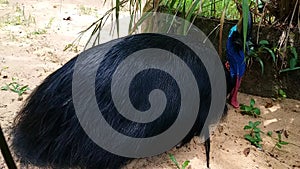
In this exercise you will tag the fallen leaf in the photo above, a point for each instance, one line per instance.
(246, 151)
(286, 134)
(269, 105)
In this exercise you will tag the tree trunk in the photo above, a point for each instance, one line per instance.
(283, 9)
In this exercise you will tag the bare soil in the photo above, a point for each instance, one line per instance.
(33, 47)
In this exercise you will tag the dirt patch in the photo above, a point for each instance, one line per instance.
(33, 48)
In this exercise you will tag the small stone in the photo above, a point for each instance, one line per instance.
(268, 122)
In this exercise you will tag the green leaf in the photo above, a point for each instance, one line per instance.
(24, 88)
(5, 88)
(253, 53)
(283, 143)
(288, 69)
(247, 127)
(13, 84)
(271, 53)
(294, 52)
(279, 136)
(14, 90)
(140, 21)
(183, 9)
(172, 157)
(282, 93)
(293, 63)
(192, 9)
(261, 64)
(278, 145)
(263, 42)
(20, 93)
(257, 130)
(256, 111)
(270, 133)
(251, 124)
(185, 164)
(252, 102)
(172, 3)
(294, 59)
(250, 138)
(245, 8)
(256, 123)
(258, 145)
(245, 108)
(258, 138)
(67, 47)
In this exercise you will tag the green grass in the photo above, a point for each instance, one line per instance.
(183, 165)
(15, 87)
(211, 9)
(4, 2)
(17, 17)
(87, 10)
(39, 32)
(50, 23)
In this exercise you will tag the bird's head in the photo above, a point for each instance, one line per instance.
(238, 36)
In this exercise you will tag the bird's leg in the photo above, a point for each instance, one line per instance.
(207, 147)
(5, 152)
(233, 96)
(207, 150)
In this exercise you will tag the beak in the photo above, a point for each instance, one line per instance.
(233, 96)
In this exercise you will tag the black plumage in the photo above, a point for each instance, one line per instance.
(48, 133)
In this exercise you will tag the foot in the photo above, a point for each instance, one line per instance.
(234, 103)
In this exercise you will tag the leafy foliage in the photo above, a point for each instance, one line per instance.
(255, 139)
(254, 136)
(279, 143)
(183, 165)
(281, 94)
(256, 53)
(189, 10)
(15, 87)
(250, 110)
(293, 61)
(245, 8)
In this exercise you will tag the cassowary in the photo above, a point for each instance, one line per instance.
(47, 131)
(236, 57)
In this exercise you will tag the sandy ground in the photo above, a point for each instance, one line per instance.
(31, 49)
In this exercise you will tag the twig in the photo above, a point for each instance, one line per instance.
(289, 27)
(211, 33)
(260, 22)
(221, 30)
(299, 18)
